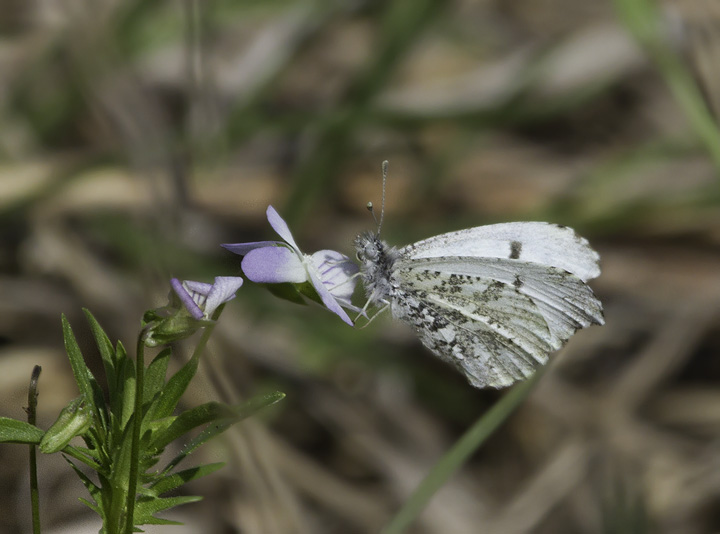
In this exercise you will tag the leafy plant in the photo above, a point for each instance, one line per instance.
(124, 438)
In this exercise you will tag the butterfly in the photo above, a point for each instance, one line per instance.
(494, 301)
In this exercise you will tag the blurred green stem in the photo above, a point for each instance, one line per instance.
(458, 455)
(642, 19)
(31, 413)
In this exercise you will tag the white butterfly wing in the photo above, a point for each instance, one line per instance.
(496, 319)
(492, 333)
(536, 242)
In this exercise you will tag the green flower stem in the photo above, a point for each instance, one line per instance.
(137, 421)
(208, 331)
(458, 455)
(137, 426)
(31, 413)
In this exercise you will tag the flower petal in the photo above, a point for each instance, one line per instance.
(281, 227)
(222, 291)
(325, 295)
(273, 265)
(186, 299)
(244, 248)
(197, 287)
(337, 272)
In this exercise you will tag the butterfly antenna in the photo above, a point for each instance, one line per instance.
(371, 209)
(385, 165)
(370, 206)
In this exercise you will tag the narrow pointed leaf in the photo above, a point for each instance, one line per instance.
(145, 509)
(155, 374)
(248, 408)
(86, 456)
(92, 488)
(173, 390)
(126, 405)
(93, 506)
(14, 431)
(176, 480)
(86, 382)
(190, 419)
(212, 430)
(218, 427)
(106, 351)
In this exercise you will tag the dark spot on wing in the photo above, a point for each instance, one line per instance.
(515, 249)
(518, 283)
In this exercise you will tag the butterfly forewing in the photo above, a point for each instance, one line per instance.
(535, 242)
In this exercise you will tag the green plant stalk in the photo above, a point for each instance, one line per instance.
(207, 331)
(31, 413)
(458, 455)
(137, 426)
(137, 421)
(642, 19)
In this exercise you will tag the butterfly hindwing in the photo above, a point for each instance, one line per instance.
(487, 358)
(489, 331)
(565, 302)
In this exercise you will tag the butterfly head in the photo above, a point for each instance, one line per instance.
(368, 247)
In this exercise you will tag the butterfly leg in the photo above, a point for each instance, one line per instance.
(386, 304)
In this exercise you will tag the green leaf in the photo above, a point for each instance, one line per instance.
(106, 351)
(248, 408)
(155, 374)
(174, 481)
(186, 421)
(14, 431)
(92, 505)
(121, 456)
(215, 429)
(173, 390)
(145, 509)
(94, 491)
(218, 427)
(126, 403)
(86, 382)
(89, 457)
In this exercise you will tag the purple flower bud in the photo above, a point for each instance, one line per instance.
(201, 299)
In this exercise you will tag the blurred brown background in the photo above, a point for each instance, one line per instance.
(139, 135)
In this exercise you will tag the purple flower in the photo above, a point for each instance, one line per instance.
(332, 274)
(201, 299)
